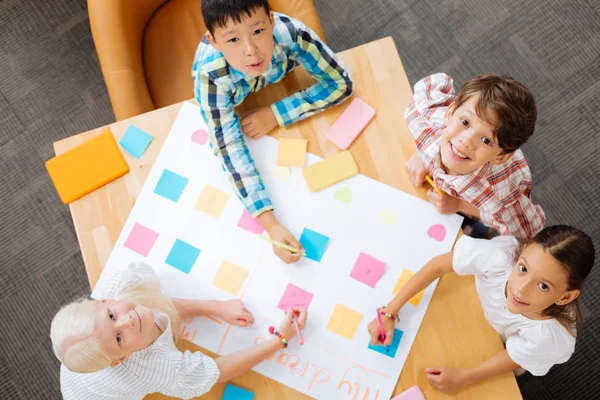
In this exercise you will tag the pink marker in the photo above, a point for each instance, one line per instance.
(298, 333)
(380, 323)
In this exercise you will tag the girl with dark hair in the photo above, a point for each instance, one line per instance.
(528, 292)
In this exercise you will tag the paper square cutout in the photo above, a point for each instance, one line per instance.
(170, 185)
(404, 277)
(344, 321)
(182, 256)
(367, 270)
(212, 201)
(314, 244)
(291, 152)
(389, 350)
(135, 141)
(294, 297)
(141, 239)
(230, 277)
(250, 224)
(236, 393)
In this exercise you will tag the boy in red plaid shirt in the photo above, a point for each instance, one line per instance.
(469, 144)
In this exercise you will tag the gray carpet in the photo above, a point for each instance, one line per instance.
(51, 87)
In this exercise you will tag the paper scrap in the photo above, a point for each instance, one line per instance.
(291, 152)
(344, 321)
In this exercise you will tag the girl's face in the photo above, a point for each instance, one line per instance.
(536, 282)
(123, 327)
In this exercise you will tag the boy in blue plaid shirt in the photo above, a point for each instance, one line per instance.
(246, 48)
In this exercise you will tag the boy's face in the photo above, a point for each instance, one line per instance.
(248, 45)
(468, 142)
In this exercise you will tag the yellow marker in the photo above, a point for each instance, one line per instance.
(433, 185)
(279, 244)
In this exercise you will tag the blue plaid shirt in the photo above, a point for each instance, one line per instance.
(219, 88)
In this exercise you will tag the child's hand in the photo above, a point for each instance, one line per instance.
(287, 328)
(416, 170)
(445, 204)
(258, 122)
(388, 328)
(279, 233)
(234, 312)
(446, 380)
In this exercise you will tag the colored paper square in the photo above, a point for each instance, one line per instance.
(404, 277)
(389, 350)
(230, 277)
(141, 239)
(250, 224)
(367, 270)
(294, 297)
(314, 244)
(182, 256)
(135, 141)
(291, 152)
(344, 321)
(170, 185)
(212, 201)
(236, 393)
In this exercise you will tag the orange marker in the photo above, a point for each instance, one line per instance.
(433, 185)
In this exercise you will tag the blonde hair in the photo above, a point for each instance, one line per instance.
(73, 326)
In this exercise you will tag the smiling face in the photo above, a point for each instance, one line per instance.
(536, 282)
(247, 45)
(468, 140)
(123, 327)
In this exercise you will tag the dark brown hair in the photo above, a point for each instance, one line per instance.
(511, 102)
(574, 250)
(216, 13)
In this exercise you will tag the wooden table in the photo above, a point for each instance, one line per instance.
(454, 332)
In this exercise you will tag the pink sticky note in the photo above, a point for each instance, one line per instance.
(141, 239)
(414, 393)
(437, 232)
(294, 297)
(200, 136)
(250, 224)
(367, 269)
(349, 125)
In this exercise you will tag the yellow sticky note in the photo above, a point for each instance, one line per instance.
(212, 201)
(344, 321)
(291, 153)
(329, 171)
(230, 277)
(404, 278)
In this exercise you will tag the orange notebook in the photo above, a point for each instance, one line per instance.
(86, 167)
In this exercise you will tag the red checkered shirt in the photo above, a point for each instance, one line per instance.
(502, 193)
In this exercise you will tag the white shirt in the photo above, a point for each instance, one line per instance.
(536, 345)
(161, 367)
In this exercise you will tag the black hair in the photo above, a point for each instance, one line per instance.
(216, 13)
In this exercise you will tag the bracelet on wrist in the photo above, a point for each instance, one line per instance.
(273, 331)
(394, 317)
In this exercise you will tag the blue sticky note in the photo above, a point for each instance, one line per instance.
(135, 141)
(170, 185)
(314, 244)
(391, 349)
(236, 393)
(182, 256)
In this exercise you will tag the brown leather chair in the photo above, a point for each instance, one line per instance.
(146, 48)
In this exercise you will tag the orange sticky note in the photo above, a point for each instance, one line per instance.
(230, 277)
(404, 278)
(344, 321)
(330, 171)
(291, 152)
(86, 167)
(212, 201)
